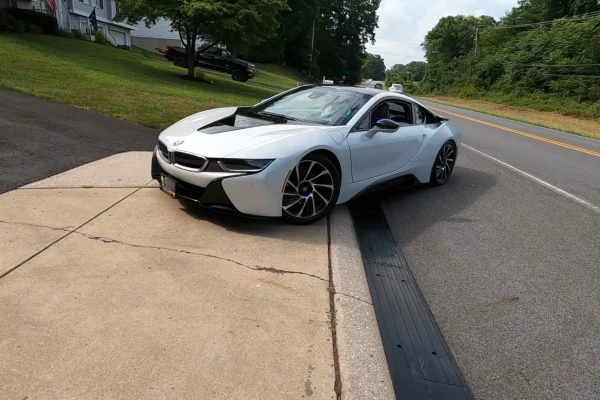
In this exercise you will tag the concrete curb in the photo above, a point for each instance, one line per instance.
(363, 367)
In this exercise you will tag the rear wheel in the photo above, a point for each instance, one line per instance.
(180, 62)
(311, 190)
(443, 164)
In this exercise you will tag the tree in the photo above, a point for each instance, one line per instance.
(343, 29)
(232, 23)
(373, 67)
(558, 62)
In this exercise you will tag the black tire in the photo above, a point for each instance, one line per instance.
(311, 190)
(443, 165)
(180, 62)
(239, 75)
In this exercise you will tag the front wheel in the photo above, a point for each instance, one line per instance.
(311, 190)
(239, 75)
(443, 164)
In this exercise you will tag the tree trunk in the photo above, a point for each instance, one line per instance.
(191, 58)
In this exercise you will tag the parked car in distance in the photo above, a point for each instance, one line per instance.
(378, 86)
(214, 58)
(396, 88)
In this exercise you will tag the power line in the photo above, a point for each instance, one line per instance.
(399, 41)
(393, 54)
(593, 14)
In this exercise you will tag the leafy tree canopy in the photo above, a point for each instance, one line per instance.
(558, 59)
(373, 67)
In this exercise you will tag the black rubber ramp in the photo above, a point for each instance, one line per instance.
(419, 361)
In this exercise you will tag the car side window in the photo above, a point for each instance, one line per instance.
(420, 115)
(397, 111)
(401, 112)
(365, 123)
(215, 51)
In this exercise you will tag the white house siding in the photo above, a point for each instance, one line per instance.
(64, 17)
(86, 8)
(31, 4)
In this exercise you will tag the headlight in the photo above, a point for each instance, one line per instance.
(238, 165)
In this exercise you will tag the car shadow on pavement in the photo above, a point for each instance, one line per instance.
(420, 207)
(275, 228)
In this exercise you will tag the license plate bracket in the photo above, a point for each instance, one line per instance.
(168, 185)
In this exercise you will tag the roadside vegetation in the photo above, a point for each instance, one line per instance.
(544, 54)
(548, 119)
(128, 85)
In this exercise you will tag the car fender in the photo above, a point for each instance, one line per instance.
(435, 136)
(298, 146)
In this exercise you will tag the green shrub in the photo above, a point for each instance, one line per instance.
(100, 37)
(65, 34)
(9, 23)
(48, 23)
(79, 35)
(32, 28)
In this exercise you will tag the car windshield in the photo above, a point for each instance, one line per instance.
(320, 105)
(396, 86)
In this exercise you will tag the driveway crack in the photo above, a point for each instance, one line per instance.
(64, 229)
(354, 297)
(254, 268)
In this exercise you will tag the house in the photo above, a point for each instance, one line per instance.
(157, 36)
(73, 15)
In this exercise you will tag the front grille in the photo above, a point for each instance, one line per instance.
(190, 161)
(164, 152)
(189, 191)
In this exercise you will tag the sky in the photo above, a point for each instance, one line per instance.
(409, 21)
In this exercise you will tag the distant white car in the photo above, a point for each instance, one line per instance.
(396, 88)
(301, 152)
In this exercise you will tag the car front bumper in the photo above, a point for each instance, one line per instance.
(257, 194)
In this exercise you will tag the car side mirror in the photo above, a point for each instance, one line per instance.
(387, 124)
(383, 125)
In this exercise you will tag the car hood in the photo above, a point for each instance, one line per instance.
(202, 133)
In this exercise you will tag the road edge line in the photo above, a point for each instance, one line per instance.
(362, 363)
(522, 133)
(537, 180)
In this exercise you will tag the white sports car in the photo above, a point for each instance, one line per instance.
(303, 151)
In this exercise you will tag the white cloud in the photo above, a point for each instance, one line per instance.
(409, 21)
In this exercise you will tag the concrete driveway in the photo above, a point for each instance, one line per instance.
(111, 289)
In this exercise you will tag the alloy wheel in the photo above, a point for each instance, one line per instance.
(308, 190)
(444, 163)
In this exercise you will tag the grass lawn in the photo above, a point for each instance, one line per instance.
(553, 120)
(128, 85)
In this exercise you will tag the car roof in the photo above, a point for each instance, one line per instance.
(363, 90)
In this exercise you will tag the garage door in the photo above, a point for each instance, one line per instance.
(117, 38)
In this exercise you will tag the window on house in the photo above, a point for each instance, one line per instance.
(94, 3)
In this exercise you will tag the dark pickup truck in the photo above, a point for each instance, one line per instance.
(213, 58)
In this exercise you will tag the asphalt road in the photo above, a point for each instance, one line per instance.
(510, 268)
(572, 170)
(39, 138)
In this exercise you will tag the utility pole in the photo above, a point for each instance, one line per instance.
(476, 38)
(312, 41)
